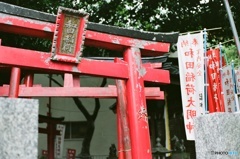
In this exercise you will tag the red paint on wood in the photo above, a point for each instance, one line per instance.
(14, 82)
(71, 80)
(28, 80)
(113, 40)
(36, 28)
(42, 61)
(119, 135)
(153, 65)
(87, 92)
(122, 116)
(136, 107)
(24, 26)
(157, 75)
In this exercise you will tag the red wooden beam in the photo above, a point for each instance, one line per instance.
(157, 75)
(98, 39)
(25, 26)
(153, 65)
(30, 27)
(88, 92)
(42, 61)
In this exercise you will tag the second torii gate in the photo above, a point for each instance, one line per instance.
(130, 73)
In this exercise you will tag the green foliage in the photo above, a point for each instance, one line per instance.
(151, 15)
(231, 54)
(25, 42)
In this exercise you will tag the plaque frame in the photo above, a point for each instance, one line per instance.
(69, 35)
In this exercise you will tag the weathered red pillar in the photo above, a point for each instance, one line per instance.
(119, 135)
(28, 80)
(14, 82)
(123, 125)
(136, 106)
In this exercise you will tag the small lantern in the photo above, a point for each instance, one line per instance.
(159, 152)
(69, 35)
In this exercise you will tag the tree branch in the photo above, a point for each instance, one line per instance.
(113, 107)
(104, 82)
(77, 101)
(96, 109)
(82, 108)
(55, 81)
(97, 102)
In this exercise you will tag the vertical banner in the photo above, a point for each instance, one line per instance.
(59, 141)
(215, 98)
(228, 89)
(191, 68)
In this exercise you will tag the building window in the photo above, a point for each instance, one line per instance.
(75, 129)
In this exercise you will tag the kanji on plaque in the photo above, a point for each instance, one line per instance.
(69, 35)
(191, 68)
(228, 89)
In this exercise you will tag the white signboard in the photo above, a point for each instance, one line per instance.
(191, 70)
(59, 141)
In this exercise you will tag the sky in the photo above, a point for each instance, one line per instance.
(204, 1)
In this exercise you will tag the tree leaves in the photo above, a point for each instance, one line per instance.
(151, 15)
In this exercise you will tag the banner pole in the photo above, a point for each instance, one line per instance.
(234, 77)
(220, 51)
(221, 65)
(205, 67)
(234, 84)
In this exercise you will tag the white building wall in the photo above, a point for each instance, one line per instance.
(105, 125)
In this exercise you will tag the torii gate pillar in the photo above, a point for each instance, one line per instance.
(136, 106)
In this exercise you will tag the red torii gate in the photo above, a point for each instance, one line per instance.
(133, 130)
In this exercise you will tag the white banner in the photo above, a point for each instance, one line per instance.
(228, 89)
(191, 70)
(59, 141)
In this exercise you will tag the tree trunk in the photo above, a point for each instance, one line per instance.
(85, 152)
